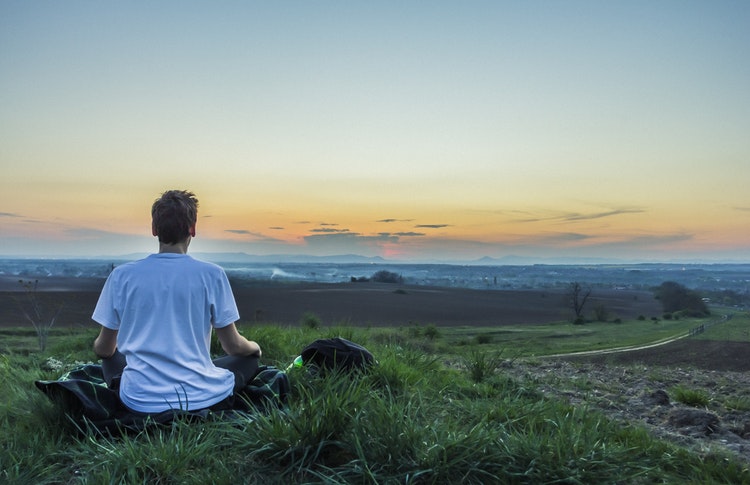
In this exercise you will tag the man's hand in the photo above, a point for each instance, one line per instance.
(255, 348)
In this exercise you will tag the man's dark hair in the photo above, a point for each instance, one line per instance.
(173, 214)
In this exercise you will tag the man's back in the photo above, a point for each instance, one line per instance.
(163, 308)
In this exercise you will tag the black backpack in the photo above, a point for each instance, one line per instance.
(337, 354)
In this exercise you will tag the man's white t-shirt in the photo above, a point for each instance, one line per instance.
(163, 308)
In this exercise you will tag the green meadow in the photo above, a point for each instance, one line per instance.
(436, 409)
(565, 337)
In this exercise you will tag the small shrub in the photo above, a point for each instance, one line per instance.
(483, 338)
(310, 320)
(641, 317)
(431, 332)
(414, 332)
(482, 365)
(737, 403)
(690, 397)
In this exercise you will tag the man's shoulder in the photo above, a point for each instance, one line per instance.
(149, 261)
(158, 260)
(127, 266)
(206, 266)
(202, 262)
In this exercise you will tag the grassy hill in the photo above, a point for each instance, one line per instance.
(445, 404)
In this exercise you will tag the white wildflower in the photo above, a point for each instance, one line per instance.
(53, 364)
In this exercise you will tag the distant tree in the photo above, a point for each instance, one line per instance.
(384, 276)
(729, 297)
(675, 297)
(577, 299)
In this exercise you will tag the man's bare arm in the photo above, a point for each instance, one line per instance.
(105, 343)
(235, 344)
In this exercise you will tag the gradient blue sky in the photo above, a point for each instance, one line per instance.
(409, 130)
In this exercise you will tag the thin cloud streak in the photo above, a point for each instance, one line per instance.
(329, 230)
(600, 215)
(565, 237)
(348, 243)
(257, 236)
(578, 216)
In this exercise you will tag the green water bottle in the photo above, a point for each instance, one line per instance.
(297, 364)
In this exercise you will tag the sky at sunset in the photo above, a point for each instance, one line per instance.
(414, 131)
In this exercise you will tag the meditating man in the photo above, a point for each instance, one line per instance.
(157, 315)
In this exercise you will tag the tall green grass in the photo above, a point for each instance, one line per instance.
(427, 413)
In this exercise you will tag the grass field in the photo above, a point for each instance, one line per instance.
(513, 341)
(437, 409)
(737, 331)
(565, 337)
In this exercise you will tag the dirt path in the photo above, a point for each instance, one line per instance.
(640, 384)
(631, 348)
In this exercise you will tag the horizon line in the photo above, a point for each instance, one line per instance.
(302, 258)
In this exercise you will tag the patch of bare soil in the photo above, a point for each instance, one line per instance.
(639, 387)
(686, 352)
(365, 304)
(376, 304)
(74, 307)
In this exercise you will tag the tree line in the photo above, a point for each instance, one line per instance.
(674, 297)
